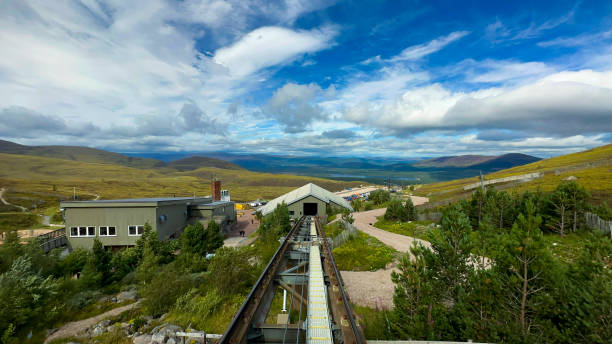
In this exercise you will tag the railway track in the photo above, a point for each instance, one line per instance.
(304, 271)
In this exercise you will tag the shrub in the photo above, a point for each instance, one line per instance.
(164, 289)
(231, 269)
(380, 196)
(396, 211)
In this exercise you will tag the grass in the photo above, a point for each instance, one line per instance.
(591, 167)
(363, 253)
(566, 247)
(375, 322)
(413, 229)
(12, 221)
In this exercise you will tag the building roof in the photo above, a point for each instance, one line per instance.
(298, 194)
(135, 202)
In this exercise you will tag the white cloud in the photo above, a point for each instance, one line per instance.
(416, 52)
(269, 46)
(293, 106)
(580, 40)
(560, 105)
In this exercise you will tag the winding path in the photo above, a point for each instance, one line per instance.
(73, 329)
(2, 190)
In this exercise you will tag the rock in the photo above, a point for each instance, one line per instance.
(158, 338)
(167, 330)
(163, 316)
(113, 299)
(171, 341)
(144, 339)
(127, 295)
(98, 330)
(51, 331)
(104, 299)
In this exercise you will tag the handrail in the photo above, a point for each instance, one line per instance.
(347, 305)
(238, 327)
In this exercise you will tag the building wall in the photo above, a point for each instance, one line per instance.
(121, 218)
(298, 207)
(176, 220)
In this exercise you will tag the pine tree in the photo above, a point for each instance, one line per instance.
(213, 237)
(411, 211)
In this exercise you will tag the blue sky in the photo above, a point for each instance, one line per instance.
(345, 78)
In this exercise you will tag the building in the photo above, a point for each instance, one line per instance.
(119, 223)
(309, 199)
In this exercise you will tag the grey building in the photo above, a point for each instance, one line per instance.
(309, 199)
(119, 223)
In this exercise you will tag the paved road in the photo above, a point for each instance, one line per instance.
(247, 223)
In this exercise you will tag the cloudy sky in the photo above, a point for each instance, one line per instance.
(359, 78)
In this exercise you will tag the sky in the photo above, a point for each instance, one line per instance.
(324, 78)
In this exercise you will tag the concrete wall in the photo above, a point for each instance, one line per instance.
(298, 207)
(121, 218)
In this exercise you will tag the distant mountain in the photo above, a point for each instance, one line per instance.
(485, 162)
(454, 161)
(93, 155)
(196, 162)
(76, 153)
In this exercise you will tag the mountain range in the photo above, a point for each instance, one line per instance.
(343, 168)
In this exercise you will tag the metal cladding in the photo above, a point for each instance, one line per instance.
(216, 190)
(300, 193)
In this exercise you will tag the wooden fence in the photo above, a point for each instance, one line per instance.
(598, 223)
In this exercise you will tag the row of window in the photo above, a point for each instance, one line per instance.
(104, 231)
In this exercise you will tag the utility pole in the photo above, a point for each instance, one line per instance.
(482, 186)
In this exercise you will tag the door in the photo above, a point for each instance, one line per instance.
(310, 209)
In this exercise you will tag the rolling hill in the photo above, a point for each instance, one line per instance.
(484, 162)
(196, 162)
(592, 169)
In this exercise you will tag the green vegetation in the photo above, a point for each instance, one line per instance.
(529, 283)
(397, 211)
(591, 168)
(412, 229)
(359, 252)
(11, 221)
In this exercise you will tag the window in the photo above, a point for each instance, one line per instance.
(83, 231)
(291, 212)
(135, 230)
(108, 231)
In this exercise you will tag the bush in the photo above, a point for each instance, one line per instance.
(380, 196)
(164, 289)
(396, 211)
(232, 270)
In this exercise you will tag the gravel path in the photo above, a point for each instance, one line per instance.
(73, 329)
(374, 289)
(2, 190)
(364, 222)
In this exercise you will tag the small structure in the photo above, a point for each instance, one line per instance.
(310, 200)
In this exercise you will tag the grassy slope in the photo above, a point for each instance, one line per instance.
(591, 167)
(37, 176)
(195, 162)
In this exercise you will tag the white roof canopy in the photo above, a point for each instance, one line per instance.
(298, 194)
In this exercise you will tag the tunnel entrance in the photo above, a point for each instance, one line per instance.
(310, 209)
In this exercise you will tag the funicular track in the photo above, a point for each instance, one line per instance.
(318, 311)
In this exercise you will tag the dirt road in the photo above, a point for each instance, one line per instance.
(2, 190)
(77, 327)
(372, 289)
(364, 221)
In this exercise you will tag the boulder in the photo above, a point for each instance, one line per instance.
(143, 339)
(127, 295)
(158, 338)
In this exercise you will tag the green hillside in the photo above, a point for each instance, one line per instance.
(39, 183)
(76, 153)
(591, 168)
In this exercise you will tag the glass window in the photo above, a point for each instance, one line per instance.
(74, 231)
(103, 231)
(91, 231)
(140, 230)
(82, 231)
(132, 230)
(112, 230)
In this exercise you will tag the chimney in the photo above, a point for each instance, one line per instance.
(216, 190)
